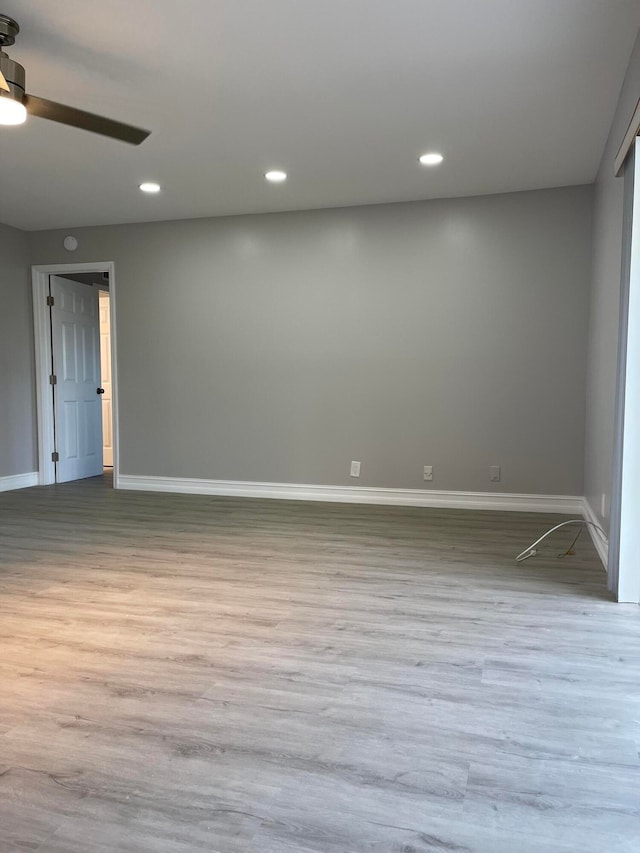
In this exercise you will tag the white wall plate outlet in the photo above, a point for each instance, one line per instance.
(355, 469)
(428, 472)
(494, 473)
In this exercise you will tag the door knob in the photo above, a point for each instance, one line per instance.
(99, 390)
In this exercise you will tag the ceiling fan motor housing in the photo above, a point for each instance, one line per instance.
(12, 71)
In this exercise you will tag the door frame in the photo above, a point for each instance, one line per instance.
(43, 351)
(624, 553)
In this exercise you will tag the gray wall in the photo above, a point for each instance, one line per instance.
(18, 447)
(280, 347)
(605, 305)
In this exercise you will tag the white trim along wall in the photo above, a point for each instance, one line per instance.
(599, 542)
(18, 481)
(499, 501)
(357, 494)
(42, 335)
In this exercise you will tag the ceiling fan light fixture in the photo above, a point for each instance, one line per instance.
(12, 111)
(20, 102)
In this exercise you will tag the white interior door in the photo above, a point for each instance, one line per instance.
(105, 362)
(75, 335)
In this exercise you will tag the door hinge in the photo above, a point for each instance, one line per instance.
(55, 456)
(50, 300)
(53, 379)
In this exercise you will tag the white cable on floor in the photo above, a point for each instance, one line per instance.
(532, 549)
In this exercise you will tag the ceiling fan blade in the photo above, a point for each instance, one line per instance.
(85, 121)
(3, 83)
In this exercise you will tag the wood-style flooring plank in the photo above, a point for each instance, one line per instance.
(184, 673)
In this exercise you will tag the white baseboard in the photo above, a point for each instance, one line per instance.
(18, 481)
(356, 494)
(601, 545)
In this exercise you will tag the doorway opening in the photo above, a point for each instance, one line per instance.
(74, 323)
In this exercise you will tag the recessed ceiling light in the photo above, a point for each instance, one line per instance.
(276, 176)
(150, 187)
(11, 111)
(431, 159)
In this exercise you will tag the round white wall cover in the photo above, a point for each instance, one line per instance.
(70, 244)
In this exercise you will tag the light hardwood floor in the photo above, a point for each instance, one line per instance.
(186, 674)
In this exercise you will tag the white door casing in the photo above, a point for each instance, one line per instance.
(75, 333)
(627, 477)
(105, 363)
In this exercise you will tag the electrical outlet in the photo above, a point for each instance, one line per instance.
(428, 472)
(355, 469)
(494, 473)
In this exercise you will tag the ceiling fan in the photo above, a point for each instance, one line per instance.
(15, 103)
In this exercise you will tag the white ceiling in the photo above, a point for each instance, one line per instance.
(342, 94)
